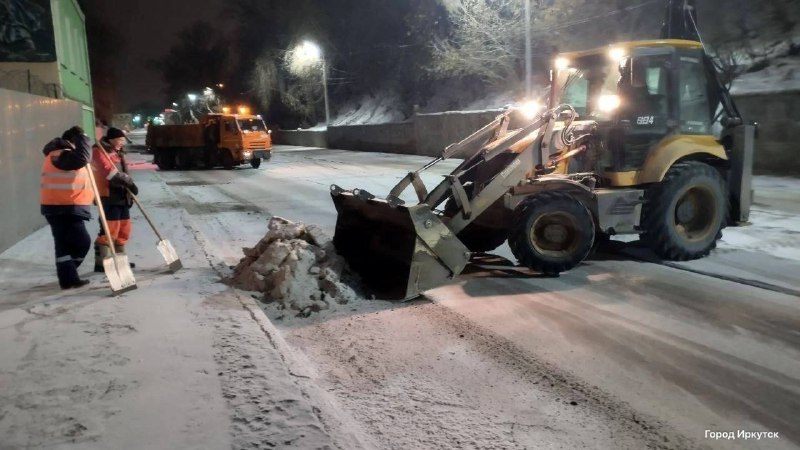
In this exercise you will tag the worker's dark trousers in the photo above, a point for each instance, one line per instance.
(72, 244)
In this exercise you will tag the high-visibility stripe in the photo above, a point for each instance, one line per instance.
(79, 174)
(64, 187)
(63, 259)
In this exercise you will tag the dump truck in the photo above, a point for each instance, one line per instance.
(226, 140)
(637, 138)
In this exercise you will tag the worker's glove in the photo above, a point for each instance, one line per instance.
(124, 180)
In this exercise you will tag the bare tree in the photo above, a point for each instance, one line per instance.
(487, 41)
(263, 81)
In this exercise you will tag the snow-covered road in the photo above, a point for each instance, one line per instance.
(618, 353)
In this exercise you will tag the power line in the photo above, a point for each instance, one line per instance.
(603, 15)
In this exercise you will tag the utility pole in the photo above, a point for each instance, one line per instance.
(528, 65)
(325, 92)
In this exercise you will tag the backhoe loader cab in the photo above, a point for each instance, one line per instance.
(661, 122)
(639, 138)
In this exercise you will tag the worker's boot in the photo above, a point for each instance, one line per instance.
(121, 250)
(100, 253)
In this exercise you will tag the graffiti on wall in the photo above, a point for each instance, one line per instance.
(26, 31)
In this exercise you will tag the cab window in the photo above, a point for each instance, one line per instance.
(230, 127)
(693, 97)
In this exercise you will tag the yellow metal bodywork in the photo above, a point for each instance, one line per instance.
(677, 43)
(661, 158)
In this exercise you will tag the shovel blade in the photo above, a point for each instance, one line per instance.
(170, 255)
(119, 274)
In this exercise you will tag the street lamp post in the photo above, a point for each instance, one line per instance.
(313, 51)
(528, 87)
(192, 98)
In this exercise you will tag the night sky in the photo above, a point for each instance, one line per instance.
(149, 28)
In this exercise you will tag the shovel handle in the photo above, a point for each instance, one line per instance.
(147, 217)
(135, 200)
(100, 210)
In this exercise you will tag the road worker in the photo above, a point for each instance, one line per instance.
(114, 184)
(66, 200)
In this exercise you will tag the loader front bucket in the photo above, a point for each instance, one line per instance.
(398, 251)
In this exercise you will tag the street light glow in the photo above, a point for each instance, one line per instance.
(192, 97)
(310, 50)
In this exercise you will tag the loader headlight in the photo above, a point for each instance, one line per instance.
(561, 63)
(530, 109)
(616, 53)
(608, 103)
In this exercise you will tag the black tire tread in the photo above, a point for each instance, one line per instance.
(659, 198)
(518, 236)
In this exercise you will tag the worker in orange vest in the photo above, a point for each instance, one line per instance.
(113, 184)
(66, 199)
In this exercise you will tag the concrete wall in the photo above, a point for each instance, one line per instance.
(386, 138)
(434, 132)
(305, 138)
(27, 123)
(777, 151)
(778, 117)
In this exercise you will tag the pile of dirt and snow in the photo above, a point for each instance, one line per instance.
(295, 265)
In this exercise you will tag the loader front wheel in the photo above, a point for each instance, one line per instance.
(552, 232)
(683, 215)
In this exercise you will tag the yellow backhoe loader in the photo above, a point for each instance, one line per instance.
(638, 138)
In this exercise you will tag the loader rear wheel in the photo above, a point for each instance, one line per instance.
(683, 215)
(552, 232)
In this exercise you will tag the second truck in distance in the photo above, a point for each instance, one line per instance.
(226, 140)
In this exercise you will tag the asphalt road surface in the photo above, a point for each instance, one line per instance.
(621, 352)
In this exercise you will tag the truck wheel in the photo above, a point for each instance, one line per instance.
(227, 159)
(164, 160)
(683, 215)
(255, 162)
(183, 161)
(552, 232)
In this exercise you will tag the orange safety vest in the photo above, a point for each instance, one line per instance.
(101, 176)
(64, 187)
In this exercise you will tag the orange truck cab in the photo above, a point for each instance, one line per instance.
(226, 140)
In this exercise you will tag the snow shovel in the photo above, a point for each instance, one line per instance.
(117, 268)
(164, 246)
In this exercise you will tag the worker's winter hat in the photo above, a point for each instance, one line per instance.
(114, 133)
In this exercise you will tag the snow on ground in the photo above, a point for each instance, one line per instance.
(774, 220)
(181, 362)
